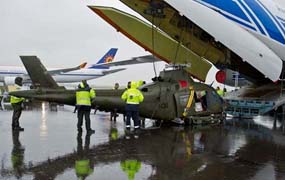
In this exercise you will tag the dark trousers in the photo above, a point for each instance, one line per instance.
(17, 107)
(132, 111)
(1, 103)
(83, 111)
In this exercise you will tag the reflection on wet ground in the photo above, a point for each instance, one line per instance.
(50, 148)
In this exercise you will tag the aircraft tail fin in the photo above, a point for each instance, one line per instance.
(108, 57)
(38, 73)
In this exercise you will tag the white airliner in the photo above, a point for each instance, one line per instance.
(67, 75)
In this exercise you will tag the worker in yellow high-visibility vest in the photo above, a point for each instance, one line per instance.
(16, 103)
(84, 96)
(220, 91)
(133, 97)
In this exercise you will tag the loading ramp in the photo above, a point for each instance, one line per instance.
(249, 107)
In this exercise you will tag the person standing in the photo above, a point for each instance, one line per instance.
(113, 114)
(133, 97)
(225, 91)
(16, 103)
(220, 91)
(116, 86)
(84, 96)
(1, 97)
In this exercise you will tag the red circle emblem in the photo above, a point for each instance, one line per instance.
(221, 76)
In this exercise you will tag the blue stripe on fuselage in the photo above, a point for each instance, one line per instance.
(274, 18)
(283, 24)
(239, 22)
(228, 6)
(233, 18)
(282, 21)
(253, 18)
(266, 18)
(11, 73)
(99, 67)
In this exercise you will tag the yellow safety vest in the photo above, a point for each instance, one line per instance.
(83, 97)
(220, 92)
(133, 95)
(14, 99)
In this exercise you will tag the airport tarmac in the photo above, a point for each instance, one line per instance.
(50, 148)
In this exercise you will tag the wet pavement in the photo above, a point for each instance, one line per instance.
(50, 148)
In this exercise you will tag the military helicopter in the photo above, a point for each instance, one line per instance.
(171, 95)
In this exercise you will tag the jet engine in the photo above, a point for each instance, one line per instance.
(9, 80)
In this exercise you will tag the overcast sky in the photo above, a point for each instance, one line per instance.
(64, 33)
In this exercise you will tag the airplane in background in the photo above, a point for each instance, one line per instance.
(247, 36)
(66, 75)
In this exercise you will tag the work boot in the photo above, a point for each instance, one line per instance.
(18, 129)
(90, 131)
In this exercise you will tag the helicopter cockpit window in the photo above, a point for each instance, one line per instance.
(144, 89)
(177, 87)
(148, 88)
(200, 100)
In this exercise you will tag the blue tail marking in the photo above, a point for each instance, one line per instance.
(108, 57)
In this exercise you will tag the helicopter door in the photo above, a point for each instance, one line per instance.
(167, 103)
(181, 100)
(164, 97)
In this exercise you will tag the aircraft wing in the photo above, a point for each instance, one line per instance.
(38, 73)
(133, 61)
(113, 71)
(59, 71)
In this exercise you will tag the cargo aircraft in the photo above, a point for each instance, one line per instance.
(246, 36)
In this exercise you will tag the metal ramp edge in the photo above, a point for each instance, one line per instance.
(248, 108)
